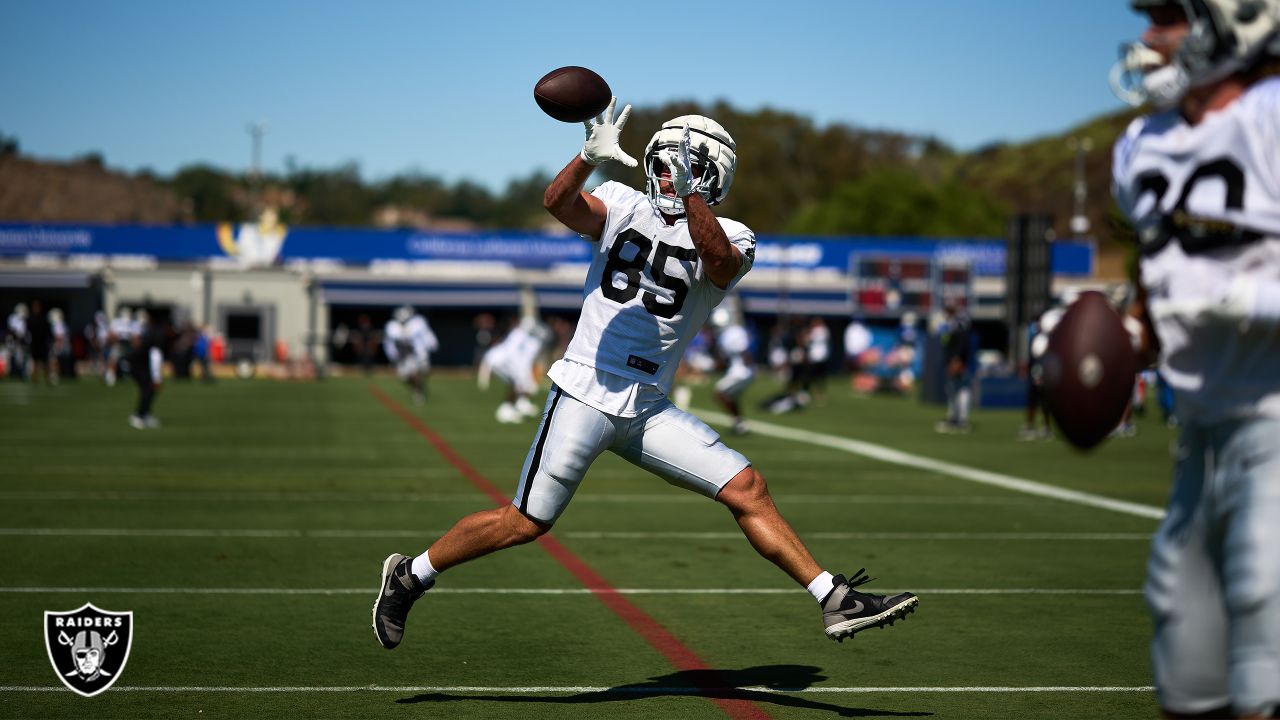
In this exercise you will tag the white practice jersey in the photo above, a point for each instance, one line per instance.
(412, 338)
(1205, 201)
(518, 350)
(734, 342)
(646, 294)
(819, 344)
(422, 337)
(857, 339)
(122, 329)
(18, 326)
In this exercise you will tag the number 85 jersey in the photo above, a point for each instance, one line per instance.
(646, 294)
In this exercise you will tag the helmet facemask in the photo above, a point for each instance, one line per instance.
(711, 154)
(1223, 37)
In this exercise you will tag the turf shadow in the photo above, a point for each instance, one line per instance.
(709, 683)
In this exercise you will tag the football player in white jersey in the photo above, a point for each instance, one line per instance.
(1200, 180)
(734, 343)
(662, 261)
(408, 342)
(512, 359)
(121, 345)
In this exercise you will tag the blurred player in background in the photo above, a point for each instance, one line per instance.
(121, 345)
(858, 343)
(17, 341)
(1200, 179)
(513, 359)
(98, 336)
(660, 264)
(364, 342)
(734, 345)
(817, 357)
(41, 334)
(696, 364)
(1038, 333)
(146, 364)
(408, 342)
(957, 344)
(59, 346)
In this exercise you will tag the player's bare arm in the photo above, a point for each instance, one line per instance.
(720, 259)
(564, 197)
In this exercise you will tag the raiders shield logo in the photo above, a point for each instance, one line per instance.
(88, 646)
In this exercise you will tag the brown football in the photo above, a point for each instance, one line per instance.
(572, 94)
(1089, 370)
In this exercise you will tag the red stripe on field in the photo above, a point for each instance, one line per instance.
(676, 653)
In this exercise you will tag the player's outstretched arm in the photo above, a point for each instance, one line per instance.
(720, 259)
(564, 199)
(581, 212)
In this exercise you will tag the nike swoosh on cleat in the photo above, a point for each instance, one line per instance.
(857, 608)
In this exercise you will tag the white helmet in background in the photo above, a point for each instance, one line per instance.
(403, 313)
(711, 150)
(20, 310)
(1225, 36)
(55, 315)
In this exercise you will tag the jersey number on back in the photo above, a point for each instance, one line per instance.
(1196, 235)
(657, 270)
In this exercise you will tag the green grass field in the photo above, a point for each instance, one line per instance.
(247, 535)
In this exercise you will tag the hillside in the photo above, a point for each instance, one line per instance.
(1037, 176)
(82, 191)
(794, 176)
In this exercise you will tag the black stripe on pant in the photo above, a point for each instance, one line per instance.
(523, 504)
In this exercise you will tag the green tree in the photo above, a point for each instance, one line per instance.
(210, 193)
(520, 205)
(897, 201)
(784, 161)
(332, 197)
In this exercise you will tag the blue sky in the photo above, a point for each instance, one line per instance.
(446, 87)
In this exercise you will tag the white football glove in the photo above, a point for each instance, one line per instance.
(602, 137)
(681, 167)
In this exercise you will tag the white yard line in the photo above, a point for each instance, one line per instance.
(541, 591)
(567, 534)
(341, 497)
(572, 689)
(963, 472)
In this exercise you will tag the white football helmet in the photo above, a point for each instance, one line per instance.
(1225, 36)
(402, 314)
(711, 150)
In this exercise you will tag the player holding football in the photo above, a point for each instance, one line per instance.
(1200, 179)
(660, 265)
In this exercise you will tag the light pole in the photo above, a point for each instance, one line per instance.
(1080, 190)
(256, 131)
